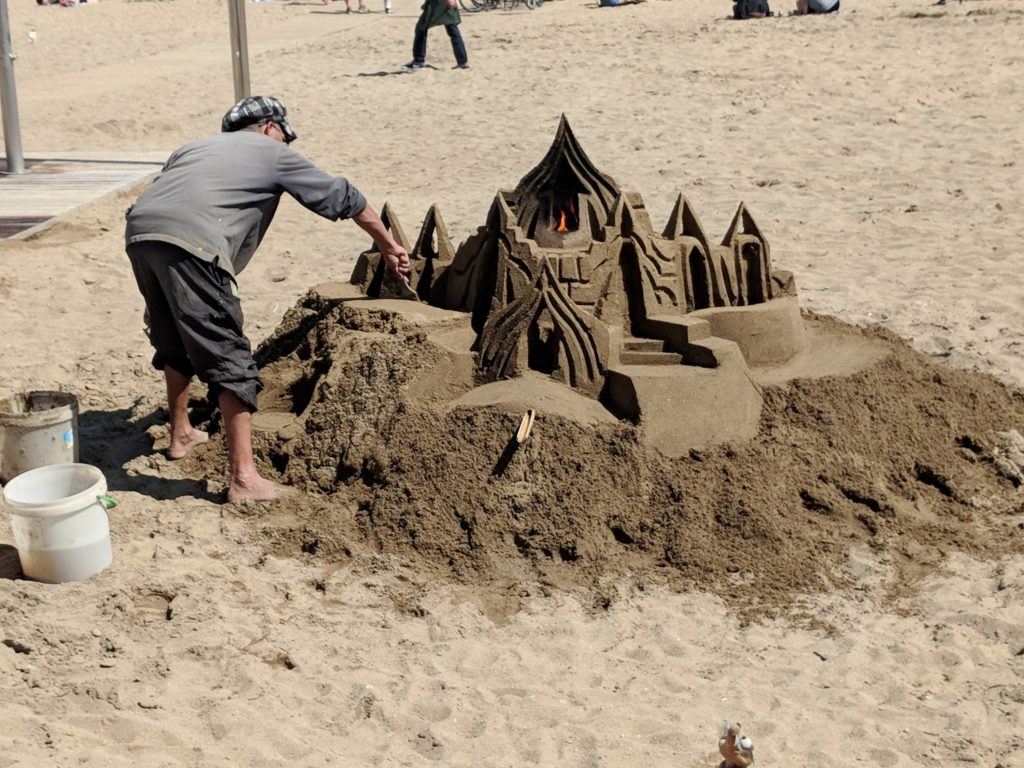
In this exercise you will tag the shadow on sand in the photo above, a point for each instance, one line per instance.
(109, 440)
(10, 565)
(388, 72)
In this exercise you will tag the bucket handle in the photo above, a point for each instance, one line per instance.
(108, 502)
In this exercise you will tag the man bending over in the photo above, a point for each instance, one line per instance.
(193, 231)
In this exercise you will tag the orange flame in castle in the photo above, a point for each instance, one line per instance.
(563, 226)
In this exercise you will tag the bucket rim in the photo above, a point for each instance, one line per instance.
(67, 407)
(62, 506)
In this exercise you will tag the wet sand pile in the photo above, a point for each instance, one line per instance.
(367, 414)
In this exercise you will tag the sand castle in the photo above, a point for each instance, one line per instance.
(569, 278)
(401, 411)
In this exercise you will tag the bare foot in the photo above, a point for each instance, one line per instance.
(255, 488)
(179, 448)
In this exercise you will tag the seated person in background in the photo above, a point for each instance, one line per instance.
(750, 9)
(816, 6)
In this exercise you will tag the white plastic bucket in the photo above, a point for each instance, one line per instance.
(59, 519)
(37, 429)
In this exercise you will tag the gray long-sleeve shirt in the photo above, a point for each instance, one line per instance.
(216, 197)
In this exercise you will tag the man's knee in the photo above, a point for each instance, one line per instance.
(246, 392)
(162, 361)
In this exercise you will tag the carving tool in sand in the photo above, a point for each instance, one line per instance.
(525, 426)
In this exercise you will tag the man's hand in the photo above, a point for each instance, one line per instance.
(397, 261)
(452, 4)
(395, 256)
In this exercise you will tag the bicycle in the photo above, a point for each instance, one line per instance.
(489, 5)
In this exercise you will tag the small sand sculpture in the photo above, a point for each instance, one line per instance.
(738, 750)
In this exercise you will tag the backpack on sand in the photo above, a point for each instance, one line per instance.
(744, 9)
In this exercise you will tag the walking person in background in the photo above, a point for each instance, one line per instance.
(362, 6)
(193, 231)
(435, 13)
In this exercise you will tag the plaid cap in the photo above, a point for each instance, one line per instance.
(257, 109)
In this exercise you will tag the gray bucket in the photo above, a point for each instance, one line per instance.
(37, 429)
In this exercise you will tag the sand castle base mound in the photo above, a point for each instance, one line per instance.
(371, 411)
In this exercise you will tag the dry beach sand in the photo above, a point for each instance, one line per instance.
(880, 151)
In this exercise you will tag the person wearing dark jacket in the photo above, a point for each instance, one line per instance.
(188, 237)
(437, 13)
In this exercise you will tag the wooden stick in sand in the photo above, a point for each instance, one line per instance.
(525, 426)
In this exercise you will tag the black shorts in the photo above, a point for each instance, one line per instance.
(195, 319)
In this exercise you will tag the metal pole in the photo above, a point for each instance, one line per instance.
(239, 48)
(9, 98)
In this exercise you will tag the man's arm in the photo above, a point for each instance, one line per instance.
(394, 255)
(334, 198)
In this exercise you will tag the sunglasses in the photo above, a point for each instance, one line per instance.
(284, 134)
(288, 139)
